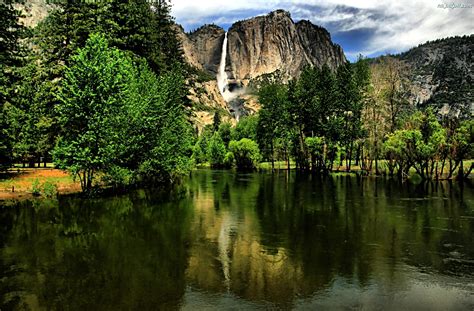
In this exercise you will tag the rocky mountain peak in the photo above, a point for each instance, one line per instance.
(265, 44)
(262, 45)
(257, 46)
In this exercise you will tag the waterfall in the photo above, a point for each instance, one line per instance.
(223, 84)
(222, 75)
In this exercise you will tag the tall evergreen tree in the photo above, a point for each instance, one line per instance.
(10, 52)
(119, 118)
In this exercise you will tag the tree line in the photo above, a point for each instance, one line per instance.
(357, 117)
(98, 88)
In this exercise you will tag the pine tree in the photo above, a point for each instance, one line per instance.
(10, 58)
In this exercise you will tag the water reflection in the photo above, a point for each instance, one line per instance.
(245, 241)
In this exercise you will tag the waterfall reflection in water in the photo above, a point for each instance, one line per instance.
(244, 241)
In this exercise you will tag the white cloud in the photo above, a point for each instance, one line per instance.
(395, 25)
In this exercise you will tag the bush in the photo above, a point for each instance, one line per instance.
(35, 187)
(49, 190)
(118, 177)
(46, 189)
(246, 128)
(246, 153)
(229, 159)
(216, 151)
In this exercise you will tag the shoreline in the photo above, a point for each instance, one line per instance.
(21, 184)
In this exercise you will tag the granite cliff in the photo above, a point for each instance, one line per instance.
(257, 46)
(262, 45)
(442, 75)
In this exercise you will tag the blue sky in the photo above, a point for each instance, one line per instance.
(371, 27)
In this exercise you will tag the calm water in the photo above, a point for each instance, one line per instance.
(244, 241)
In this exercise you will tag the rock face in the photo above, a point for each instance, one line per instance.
(33, 11)
(257, 46)
(265, 44)
(442, 75)
(207, 101)
(202, 47)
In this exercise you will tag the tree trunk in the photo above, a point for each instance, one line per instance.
(442, 167)
(349, 155)
(376, 166)
(358, 155)
(461, 171)
(466, 176)
(288, 159)
(273, 159)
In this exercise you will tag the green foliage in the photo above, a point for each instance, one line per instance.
(216, 151)
(216, 121)
(225, 131)
(119, 117)
(462, 141)
(91, 106)
(118, 177)
(315, 145)
(274, 118)
(32, 124)
(319, 103)
(161, 137)
(130, 26)
(35, 187)
(199, 154)
(246, 128)
(229, 159)
(246, 153)
(46, 189)
(200, 148)
(10, 58)
(418, 145)
(49, 190)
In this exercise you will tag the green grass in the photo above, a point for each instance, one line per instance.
(279, 165)
(23, 179)
(382, 166)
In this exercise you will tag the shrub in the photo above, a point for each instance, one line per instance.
(229, 159)
(216, 151)
(35, 187)
(246, 153)
(118, 177)
(49, 190)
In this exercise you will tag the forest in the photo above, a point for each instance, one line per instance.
(99, 89)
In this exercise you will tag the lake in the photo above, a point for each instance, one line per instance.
(226, 240)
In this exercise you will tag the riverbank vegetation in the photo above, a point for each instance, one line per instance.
(98, 88)
(362, 117)
(356, 118)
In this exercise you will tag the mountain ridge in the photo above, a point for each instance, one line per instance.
(442, 75)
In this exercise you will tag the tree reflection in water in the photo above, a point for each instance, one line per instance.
(244, 240)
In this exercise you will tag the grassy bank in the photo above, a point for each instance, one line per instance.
(19, 182)
(24, 182)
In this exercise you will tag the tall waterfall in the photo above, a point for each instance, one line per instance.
(223, 85)
(222, 75)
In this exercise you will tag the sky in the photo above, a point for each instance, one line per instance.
(370, 28)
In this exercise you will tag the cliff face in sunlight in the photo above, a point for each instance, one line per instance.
(33, 11)
(265, 44)
(258, 46)
(262, 45)
(202, 48)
